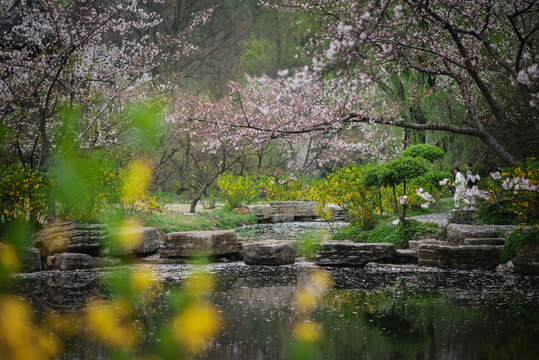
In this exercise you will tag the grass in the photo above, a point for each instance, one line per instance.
(219, 218)
(384, 232)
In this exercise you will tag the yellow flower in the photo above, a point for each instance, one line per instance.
(307, 331)
(142, 278)
(109, 322)
(19, 338)
(8, 257)
(197, 324)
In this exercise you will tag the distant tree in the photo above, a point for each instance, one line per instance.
(90, 53)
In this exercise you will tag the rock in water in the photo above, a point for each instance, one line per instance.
(269, 252)
(71, 236)
(459, 257)
(187, 243)
(348, 253)
(527, 260)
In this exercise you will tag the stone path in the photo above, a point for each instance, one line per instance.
(440, 218)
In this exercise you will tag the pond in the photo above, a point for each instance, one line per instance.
(366, 314)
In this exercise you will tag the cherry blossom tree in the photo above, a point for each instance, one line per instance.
(481, 53)
(486, 50)
(308, 124)
(96, 54)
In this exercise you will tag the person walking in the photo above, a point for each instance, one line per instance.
(460, 187)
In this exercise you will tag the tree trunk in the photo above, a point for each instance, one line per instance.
(396, 202)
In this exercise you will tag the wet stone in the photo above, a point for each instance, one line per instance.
(527, 260)
(459, 257)
(404, 256)
(348, 253)
(269, 252)
(187, 243)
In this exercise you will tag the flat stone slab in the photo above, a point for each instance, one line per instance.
(269, 252)
(415, 243)
(348, 253)
(188, 243)
(484, 241)
(302, 209)
(262, 212)
(456, 233)
(71, 236)
(145, 241)
(459, 257)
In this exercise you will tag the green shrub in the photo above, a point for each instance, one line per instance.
(518, 239)
(398, 234)
(351, 232)
(309, 244)
(428, 152)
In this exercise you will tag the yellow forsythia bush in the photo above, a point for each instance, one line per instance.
(237, 190)
(23, 193)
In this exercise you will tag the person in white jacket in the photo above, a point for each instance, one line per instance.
(460, 187)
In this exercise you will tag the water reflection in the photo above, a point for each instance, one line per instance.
(366, 315)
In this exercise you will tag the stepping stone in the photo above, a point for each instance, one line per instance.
(459, 257)
(188, 243)
(269, 252)
(348, 253)
(484, 241)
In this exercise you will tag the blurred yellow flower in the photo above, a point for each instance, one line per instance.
(129, 235)
(307, 331)
(197, 324)
(109, 322)
(19, 338)
(8, 257)
(142, 279)
(199, 283)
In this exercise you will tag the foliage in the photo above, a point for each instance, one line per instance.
(285, 188)
(309, 243)
(512, 196)
(425, 151)
(518, 239)
(401, 169)
(23, 194)
(236, 190)
(345, 188)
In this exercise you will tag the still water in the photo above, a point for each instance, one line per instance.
(368, 314)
